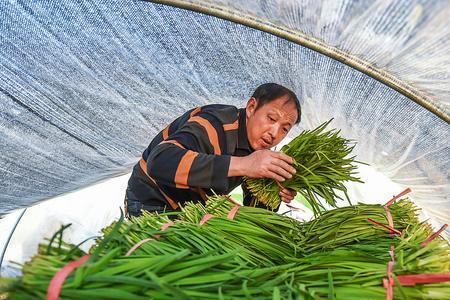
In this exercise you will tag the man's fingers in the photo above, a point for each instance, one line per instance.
(284, 157)
(289, 192)
(280, 171)
(286, 195)
(275, 176)
(284, 165)
(275, 165)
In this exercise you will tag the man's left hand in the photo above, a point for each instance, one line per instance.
(287, 195)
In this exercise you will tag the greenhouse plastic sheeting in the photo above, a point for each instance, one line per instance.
(85, 85)
(409, 39)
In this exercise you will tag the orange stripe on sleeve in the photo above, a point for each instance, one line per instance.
(195, 111)
(212, 133)
(231, 126)
(176, 143)
(182, 174)
(166, 132)
(143, 165)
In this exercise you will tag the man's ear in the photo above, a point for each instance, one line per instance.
(251, 106)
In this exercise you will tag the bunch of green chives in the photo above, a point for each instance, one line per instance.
(335, 228)
(349, 225)
(263, 237)
(257, 255)
(322, 164)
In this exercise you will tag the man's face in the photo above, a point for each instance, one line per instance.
(269, 124)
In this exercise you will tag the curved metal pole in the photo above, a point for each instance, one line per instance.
(9, 237)
(302, 39)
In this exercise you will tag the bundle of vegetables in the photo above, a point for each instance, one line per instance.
(322, 163)
(189, 269)
(264, 238)
(182, 275)
(350, 225)
(143, 258)
(335, 228)
(356, 271)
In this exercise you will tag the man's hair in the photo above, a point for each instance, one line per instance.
(269, 92)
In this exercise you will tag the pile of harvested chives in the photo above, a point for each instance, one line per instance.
(322, 164)
(256, 255)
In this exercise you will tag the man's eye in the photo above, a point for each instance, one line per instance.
(271, 119)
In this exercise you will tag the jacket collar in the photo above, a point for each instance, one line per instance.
(243, 143)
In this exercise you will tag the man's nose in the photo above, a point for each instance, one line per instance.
(273, 131)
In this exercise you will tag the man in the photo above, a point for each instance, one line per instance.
(211, 148)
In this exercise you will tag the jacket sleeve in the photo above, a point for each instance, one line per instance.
(192, 156)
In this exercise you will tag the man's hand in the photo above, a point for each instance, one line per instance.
(287, 195)
(263, 164)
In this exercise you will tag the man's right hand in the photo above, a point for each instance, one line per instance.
(263, 164)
